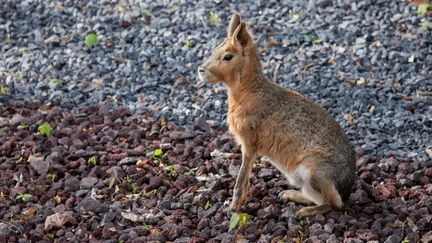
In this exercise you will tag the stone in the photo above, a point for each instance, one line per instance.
(39, 164)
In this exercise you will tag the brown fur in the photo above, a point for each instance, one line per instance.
(300, 138)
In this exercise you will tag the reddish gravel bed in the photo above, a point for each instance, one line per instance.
(100, 177)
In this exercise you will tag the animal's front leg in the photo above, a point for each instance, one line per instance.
(241, 186)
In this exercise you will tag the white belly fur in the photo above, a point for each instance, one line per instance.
(296, 178)
(299, 178)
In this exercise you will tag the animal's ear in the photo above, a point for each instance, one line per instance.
(235, 22)
(242, 35)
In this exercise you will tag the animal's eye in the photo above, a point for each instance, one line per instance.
(228, 57)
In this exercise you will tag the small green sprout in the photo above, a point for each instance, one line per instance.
(238, 219)
(283, 239)
(51, 236)
(52, 177)
(301, 235)
(207, 205)
(256, 165)
(134, 188)
(20, 160)
(24, 196)
(192, 171)
(129, 180)
(303, 223)
(55, 81)
(19, 74)
(57, 199)
(213, 18)
(169, 168)
(23, 126)
(405, 240)
(295, 16)
(162, 129)
(146, 227)
(2, 134)
(65, 38)
(91, 40)
(316, 41)
(92, 161)
(3, 90)
(148, 193)
(188, 43)
(147, 12)
(21, 51)
(423, 8)
(45, 129)
(424, 25)
(156, 154)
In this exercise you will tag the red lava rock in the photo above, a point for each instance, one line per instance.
(400, 209)
(39, 164)
(91, 205)
(71, 184)
(156, 235)
(183, 181)
(201, 123)
(66, 141)
(211, 211)
(427, 237)
(108, 232)
(4, 232)
(155, 182)
(88, 182)
(368, 177)
(407, 168)
(367, 234)
(7, 148)
(328, 228)
(428, 172)
(363, 161)
(73, 165)
(79, 144)
(385, 191)
(224, 237)
(360, 196)
(410, 106)
(332, 239)
(352, 240)
(172, 231)
(179, 135)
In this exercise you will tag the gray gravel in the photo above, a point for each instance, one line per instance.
(368, 62)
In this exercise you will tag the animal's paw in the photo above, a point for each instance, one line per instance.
(304, 212)
(286, 195)
(312, 211)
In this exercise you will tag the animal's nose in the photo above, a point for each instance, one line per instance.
(201, 70)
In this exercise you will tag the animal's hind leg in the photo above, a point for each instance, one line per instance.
(295, 196)
(324, 194)
(313, 210)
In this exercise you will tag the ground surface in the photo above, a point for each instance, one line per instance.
(130, 193)
(369, 63)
